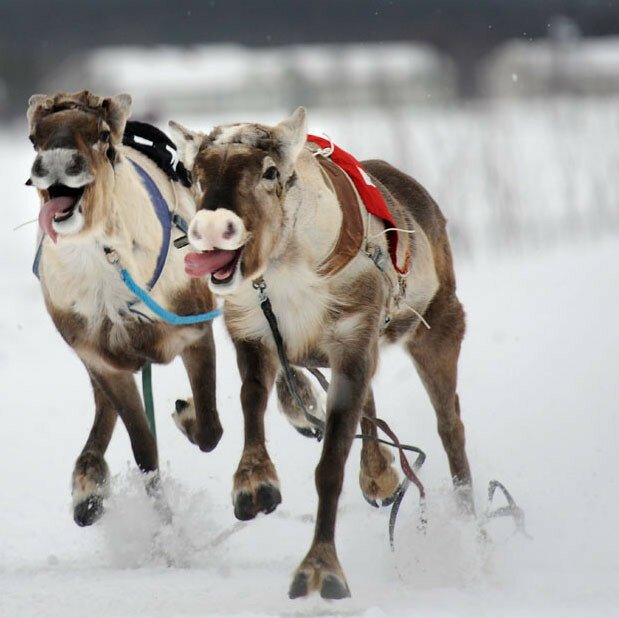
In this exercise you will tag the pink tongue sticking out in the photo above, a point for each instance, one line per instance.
(200, 264)
(49, 210)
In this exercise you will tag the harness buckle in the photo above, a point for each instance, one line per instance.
(112, 257)
(327, 151)
(181, 241)
(376, 254)
(260, 286)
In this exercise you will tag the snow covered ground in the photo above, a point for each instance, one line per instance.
(539, 393)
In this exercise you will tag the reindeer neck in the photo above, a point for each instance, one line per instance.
(298, 293)
(75, 271)
(315, 212)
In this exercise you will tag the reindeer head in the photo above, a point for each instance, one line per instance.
(241, 174)
(75, 138)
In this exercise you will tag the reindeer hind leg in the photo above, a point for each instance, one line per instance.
(290, 408)
(435, 353)
(378, 477)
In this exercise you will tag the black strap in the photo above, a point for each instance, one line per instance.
(267, 309)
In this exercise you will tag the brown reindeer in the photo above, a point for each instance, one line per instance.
(269, 214)
(93, 197)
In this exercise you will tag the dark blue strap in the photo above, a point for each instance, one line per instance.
(165, 218)
(163, 214)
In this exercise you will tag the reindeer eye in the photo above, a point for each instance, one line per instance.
(271, 173)
(104, 136)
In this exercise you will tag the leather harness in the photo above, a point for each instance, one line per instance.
(352, 236)
(350, 239)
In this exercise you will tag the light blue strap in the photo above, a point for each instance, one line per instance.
(164, 314)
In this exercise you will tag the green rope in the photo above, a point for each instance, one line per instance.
(147, 394)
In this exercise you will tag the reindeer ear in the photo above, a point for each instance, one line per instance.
(34, 103)
(187, 141)
(118, 109)
(292, 134)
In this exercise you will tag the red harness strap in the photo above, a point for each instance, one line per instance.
(370, 195)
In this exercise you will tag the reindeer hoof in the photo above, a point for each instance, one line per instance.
(184, 417)
(89, 488)
(320, 572)
(388, 501)
(378, 478)
(208, 439)
(391, 499)
(255, 487)
(244, 507)
(265, 500)
(268, 498)
(88, 511)
(334, 588)
(306, 432)
(371, 501)
(180, 405)
(299, 587)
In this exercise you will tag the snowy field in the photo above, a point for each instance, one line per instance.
(539, 394)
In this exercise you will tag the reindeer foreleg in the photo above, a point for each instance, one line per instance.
(256, 486)
(197, 417)
(121, 390)
(91, 475)
(352, 369)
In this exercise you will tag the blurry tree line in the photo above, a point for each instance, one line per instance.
(36, 35)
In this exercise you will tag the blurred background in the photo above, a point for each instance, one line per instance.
(505, 109)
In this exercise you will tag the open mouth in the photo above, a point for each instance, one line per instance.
(58, 212)
(221, 264)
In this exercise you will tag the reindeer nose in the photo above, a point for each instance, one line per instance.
(61, 166)
(216, 229)
(38, 169)
(195, 235)
(230, 230)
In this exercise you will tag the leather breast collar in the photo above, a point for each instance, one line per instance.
(350, 240)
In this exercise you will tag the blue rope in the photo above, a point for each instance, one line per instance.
(164, 314)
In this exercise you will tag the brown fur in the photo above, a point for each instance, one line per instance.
(435, 352)
(377, 477)
(355, 302)
(112, 348)
(227, 179)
